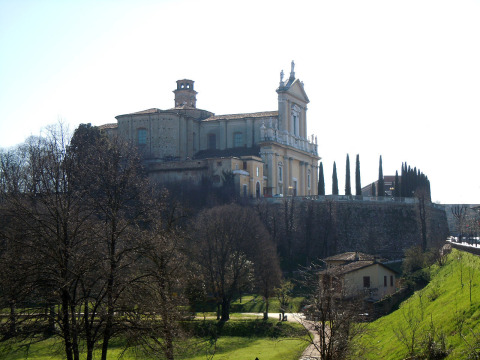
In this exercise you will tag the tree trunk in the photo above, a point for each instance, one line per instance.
(88, 331)
(66, 325)
(51, 320)
(109, 323)
(267, 305)
(265, 314)
(12, 329)
(76, 353)
(225, 309)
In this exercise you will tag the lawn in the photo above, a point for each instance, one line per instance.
(255, 304)
(237, 339)
(441, 310)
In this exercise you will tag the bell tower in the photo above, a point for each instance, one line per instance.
(185, 94)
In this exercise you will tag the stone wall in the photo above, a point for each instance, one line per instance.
(387, 229)
(311, 228)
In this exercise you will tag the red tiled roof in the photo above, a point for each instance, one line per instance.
(108, 126)
(148, 111)
(350, 256)
(241, 116)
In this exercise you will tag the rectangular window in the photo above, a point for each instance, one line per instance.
(308, 179)
(391, 280)
(142, 136)
(385, 281)
(366, 282)
(244, 165)
(212, 141)
(237, 139)
(280, 174)
(258, 172)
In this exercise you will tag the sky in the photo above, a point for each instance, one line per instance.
(397, 79)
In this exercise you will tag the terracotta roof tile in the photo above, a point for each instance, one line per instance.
(344, 269)
(108, 126)
(350, 256)
(241, 116)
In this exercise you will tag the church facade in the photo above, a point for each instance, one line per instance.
(269, 153)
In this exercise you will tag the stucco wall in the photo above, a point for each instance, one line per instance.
(353, 281)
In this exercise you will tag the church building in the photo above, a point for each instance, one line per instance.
(268, 152)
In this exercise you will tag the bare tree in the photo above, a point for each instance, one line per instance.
(226, 242)
(459, 213)
(336, 322)
(75, 210)
(160, 293)
(46, 211)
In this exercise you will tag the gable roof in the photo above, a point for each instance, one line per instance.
(350, 256)
(241, 116)
(108, 126)
(295, 89)
(353, 266)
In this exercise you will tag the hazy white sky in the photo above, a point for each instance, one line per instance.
(399, 79)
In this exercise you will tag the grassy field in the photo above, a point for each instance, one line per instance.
(255, 304)
(441, 313)
(237, 339)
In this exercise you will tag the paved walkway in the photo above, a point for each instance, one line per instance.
(310, 353)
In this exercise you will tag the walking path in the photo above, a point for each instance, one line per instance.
(311, 352)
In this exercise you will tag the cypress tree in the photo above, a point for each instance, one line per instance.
(374, 190)
(358, 185)
(412, 180)
(334, 180)
(396, 185)
(348, 187)
(381, 181)
(321, 181)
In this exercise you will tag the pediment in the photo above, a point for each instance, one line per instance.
(297, 91)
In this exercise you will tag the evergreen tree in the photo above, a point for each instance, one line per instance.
(334, 180)
(321, 181)
(381, 181)
(358, 185)
(396, 185)
(374, 190)
(348, 187)
(404, 181)
(412, 181)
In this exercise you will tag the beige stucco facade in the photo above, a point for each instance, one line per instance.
(368, 279)
(185, 143)
(381, 281)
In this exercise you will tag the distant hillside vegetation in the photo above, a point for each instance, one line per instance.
(439, 321)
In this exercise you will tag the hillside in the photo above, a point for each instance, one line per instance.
(443, 315)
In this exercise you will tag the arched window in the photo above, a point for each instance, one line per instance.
(280, 172)
(142, 136)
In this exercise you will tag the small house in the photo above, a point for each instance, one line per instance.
(369, 279)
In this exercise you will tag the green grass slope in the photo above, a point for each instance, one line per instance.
(443, 315)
